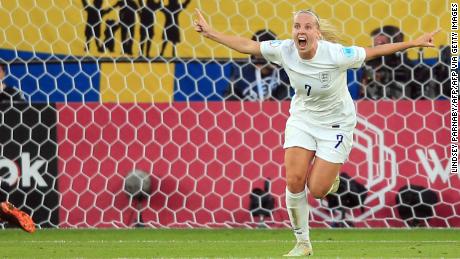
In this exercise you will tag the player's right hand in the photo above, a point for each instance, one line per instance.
(200, 24)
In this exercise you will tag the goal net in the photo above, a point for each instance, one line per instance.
(116, 113)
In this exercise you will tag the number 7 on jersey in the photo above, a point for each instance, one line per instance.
(308, 88)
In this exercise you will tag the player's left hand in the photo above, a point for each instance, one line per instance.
(201, 25)
(426, 40)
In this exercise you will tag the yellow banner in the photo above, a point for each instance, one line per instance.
(127, 27)
(139, 82)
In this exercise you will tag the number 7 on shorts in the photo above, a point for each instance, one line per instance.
(339, 140)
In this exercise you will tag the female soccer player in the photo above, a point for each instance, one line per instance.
(319, 131)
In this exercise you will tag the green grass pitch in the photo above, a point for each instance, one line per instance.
(227, 243)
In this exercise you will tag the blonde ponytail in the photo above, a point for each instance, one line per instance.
(328, 31)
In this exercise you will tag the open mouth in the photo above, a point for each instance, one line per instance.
(302, 42)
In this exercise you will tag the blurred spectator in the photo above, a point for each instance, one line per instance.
(386, 77)
(441, 71)
(8, 93)
(432, 82)
(430, 77)
(258, 79)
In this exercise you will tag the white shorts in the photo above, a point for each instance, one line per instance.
(332, 144)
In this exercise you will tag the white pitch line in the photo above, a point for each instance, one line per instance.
(221, 241)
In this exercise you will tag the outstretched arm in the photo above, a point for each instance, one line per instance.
(237, 43)
(386, 49)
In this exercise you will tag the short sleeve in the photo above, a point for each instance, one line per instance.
(350, 57)
(271, 50)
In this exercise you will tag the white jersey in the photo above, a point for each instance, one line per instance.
(321, 93)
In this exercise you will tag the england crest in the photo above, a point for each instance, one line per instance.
(324, 78)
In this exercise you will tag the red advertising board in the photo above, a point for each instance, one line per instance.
(206, 158)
